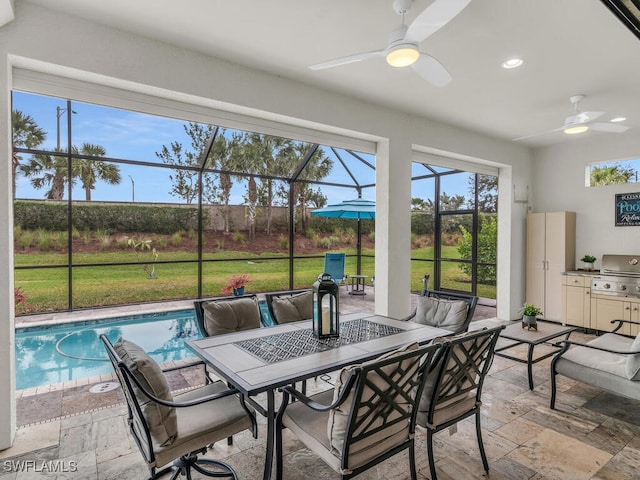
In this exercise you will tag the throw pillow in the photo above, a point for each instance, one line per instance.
(162, 420)
(633, 361)
(293, 308)
(442, 313)
(228, 316)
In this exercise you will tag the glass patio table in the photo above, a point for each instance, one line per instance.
(264, 359)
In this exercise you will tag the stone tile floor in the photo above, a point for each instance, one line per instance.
(591, 435)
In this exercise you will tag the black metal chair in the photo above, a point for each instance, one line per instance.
(290, 305)
(368, 417)
(453, 386)
(174, 430)
(444, 310)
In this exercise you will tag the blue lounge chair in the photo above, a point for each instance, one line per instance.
(334, 266)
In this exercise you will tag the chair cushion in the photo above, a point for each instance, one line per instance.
(227, 316)
(293, 308)
(442, 313)
(338, 421)
(204, 423)
(162, 420)
(633, 361)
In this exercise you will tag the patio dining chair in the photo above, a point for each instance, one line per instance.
(216, 316)
(453, 386)
(451, 311)
(368, 417)
(290, 306)
(171, 431)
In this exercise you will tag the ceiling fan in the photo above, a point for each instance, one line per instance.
(580, 122)
(402, 47)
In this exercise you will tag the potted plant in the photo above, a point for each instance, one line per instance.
(529, 314)
(235, 284)
(588, 261)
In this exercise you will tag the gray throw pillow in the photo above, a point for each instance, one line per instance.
(442, 313)
(228, 316)
(162, 420)
(633, 361)
(293, 308)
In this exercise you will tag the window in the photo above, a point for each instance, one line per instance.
(613, 173)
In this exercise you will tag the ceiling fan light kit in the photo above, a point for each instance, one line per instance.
(402, 55)
(572, 130)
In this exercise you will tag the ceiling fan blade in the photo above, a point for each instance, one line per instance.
(609, 127)
(537, 134)
(345, 60)
(582, 117)
(434, 17)
(432, 70)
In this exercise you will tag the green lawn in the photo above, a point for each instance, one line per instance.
(102, 285)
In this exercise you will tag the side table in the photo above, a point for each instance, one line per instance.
(357, 284)
(547, 331)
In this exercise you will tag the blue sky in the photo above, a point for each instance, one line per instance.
(137, 136)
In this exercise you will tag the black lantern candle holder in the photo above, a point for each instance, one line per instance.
(325, 307)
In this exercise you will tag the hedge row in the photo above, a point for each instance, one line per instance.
(110, 217)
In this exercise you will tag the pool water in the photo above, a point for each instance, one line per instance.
(71, 351)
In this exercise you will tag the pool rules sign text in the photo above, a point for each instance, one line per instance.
(627, 209)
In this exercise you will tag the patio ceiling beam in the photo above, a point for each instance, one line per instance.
(368, 164)
(207, 150)
(304, 163)
(344, 165)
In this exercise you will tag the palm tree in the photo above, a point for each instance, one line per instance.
(25, 134)
(263, 155)
(47, 170)
(611, 175)
(52, 171)
(226, 156)
(90, 171)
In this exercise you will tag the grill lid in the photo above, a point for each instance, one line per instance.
(621, 265)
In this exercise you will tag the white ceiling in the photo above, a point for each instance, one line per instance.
(569, 47)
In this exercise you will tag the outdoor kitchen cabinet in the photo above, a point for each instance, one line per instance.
(606, 308)
(576, 300)
(551, 250)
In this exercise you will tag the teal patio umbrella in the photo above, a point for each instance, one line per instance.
(358, 209)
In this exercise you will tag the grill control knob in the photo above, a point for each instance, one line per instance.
(606, 285)
(637, 288)
(623, 287)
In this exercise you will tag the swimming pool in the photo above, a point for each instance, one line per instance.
(46, 355)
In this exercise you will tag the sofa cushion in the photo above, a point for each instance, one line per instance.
(633, 361)
(292, 308)
(610, 363)
(162, 420)
(442, 313)
(228, 316)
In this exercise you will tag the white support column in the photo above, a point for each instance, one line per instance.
(7, 320)
(393, 227)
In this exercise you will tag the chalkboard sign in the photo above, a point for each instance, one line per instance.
(627, 209)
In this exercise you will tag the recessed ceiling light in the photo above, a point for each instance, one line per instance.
(512, 63)
(618, 119)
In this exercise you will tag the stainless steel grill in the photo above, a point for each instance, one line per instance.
(619, 276)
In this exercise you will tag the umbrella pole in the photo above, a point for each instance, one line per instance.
(358, 249)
